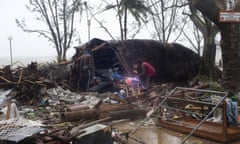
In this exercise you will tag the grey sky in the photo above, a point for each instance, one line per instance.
(26, 44)
(23, 44)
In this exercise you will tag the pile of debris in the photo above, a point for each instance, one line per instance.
(30, 83)
(40, 93)
(59, 113)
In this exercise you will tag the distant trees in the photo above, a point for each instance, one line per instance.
(171, 22)
(58, 18)
(167, 19)
(195, 39)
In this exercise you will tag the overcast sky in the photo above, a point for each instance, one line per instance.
(26, 44)
(23, 44)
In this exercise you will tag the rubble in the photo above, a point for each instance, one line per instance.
(46, 95)
(41, 98)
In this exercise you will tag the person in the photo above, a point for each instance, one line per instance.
(145, 71)
(232, 108)
(86, 69)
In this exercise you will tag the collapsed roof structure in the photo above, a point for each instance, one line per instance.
(172, 61)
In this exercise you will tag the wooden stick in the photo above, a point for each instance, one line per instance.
(20, 76)
(5, 79)
(98, 47)
(8, 110)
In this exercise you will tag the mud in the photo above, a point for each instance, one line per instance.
(151, 134)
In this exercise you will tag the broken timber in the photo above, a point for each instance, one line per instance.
(102, 111)
(219, 132)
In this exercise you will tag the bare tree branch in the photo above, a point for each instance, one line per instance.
(58, 16)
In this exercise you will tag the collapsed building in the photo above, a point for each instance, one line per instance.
(173, 62)
(182, 109)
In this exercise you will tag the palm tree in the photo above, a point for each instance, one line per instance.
(137, 8)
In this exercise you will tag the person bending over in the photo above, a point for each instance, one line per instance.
(145, 71)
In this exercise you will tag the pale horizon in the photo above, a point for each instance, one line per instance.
(30, 44)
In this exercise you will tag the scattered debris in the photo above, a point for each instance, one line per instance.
(47, 98)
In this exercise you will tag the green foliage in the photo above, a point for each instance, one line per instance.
(213, 85)
(137, 8)
(202, 78)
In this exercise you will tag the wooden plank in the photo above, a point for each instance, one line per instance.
(209, 130)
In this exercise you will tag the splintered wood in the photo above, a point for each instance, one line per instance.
(29, 83)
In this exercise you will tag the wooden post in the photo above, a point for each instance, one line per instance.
(225, 125)
(8, 110)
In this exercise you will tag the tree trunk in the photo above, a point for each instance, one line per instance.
(64, 58)
(120, 21)
(59, 58)
(125, 23)
(78, 115)
(209, 31)
(231, 56)
(208, 59)
(230, 44)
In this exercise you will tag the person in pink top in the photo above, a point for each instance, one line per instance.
(145, 71)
